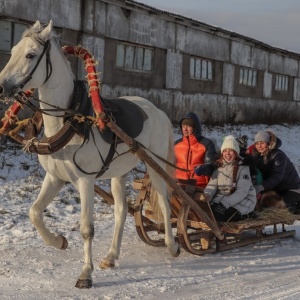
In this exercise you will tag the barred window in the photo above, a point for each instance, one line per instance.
(201, 69)
(282, 83)
(10, 34)
(248, 77)
(134, 57)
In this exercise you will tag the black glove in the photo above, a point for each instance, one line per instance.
(219, 208)
(243, 142)
(201, 170)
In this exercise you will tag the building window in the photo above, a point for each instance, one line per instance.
(134, 57)
(282, 83)
(201, 69)
(248, 77)
(10, 34)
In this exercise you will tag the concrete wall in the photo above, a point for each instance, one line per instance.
(99, 24)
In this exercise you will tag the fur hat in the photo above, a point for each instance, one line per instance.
(262, 136)
(188, 122)
(230, 143)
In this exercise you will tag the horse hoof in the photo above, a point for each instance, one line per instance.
(84, 283)
(177, 252)
(106, 264)
(64, 244)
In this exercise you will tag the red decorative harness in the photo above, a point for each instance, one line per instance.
(93, 82)
(10, 116)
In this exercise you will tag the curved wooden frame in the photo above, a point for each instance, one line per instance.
(145, 223)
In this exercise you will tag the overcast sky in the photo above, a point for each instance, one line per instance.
(274, 22)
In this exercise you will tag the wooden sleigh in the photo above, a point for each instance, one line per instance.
(194, 234)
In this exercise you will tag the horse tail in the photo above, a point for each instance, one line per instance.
(170, 157)
(155, 205)
(170, 171)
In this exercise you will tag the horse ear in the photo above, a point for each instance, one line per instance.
(37, 25)
(46, 33)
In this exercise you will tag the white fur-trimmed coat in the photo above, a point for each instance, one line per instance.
(242, 199)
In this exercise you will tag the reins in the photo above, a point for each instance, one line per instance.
(163, 160)
(61, 138)
(46, 111)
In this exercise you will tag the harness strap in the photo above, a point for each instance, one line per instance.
(34, 126)
(63, 136)
(52, 144)
(105, 162)
(59, 140)
(48, 63)
(109, 157)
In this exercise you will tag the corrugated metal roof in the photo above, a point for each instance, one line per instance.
(213, 29)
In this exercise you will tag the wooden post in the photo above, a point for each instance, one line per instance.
(142, 154)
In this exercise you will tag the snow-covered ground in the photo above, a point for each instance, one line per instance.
(30, 270)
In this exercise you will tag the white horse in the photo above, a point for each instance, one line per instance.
(24, 71)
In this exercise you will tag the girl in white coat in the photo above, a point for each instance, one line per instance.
(230, 190)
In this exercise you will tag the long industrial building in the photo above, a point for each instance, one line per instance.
(178, 63)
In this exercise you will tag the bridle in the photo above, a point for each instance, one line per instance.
(46, 50)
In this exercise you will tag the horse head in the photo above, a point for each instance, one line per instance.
(23, 70)
(38, 62)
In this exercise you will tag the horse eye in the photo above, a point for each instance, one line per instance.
(30, 56)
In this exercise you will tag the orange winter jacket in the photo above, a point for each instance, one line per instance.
(189, 153)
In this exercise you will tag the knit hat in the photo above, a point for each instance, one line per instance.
(262, 136)
(188, 122)
(230, 143)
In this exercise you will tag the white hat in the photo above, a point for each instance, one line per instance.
(230, 143)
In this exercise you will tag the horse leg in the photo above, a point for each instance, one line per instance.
(87, 194)
(120, 211)
(164, 204)
(50, 187)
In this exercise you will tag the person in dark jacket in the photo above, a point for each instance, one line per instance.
(279, 174)
(192, 150)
